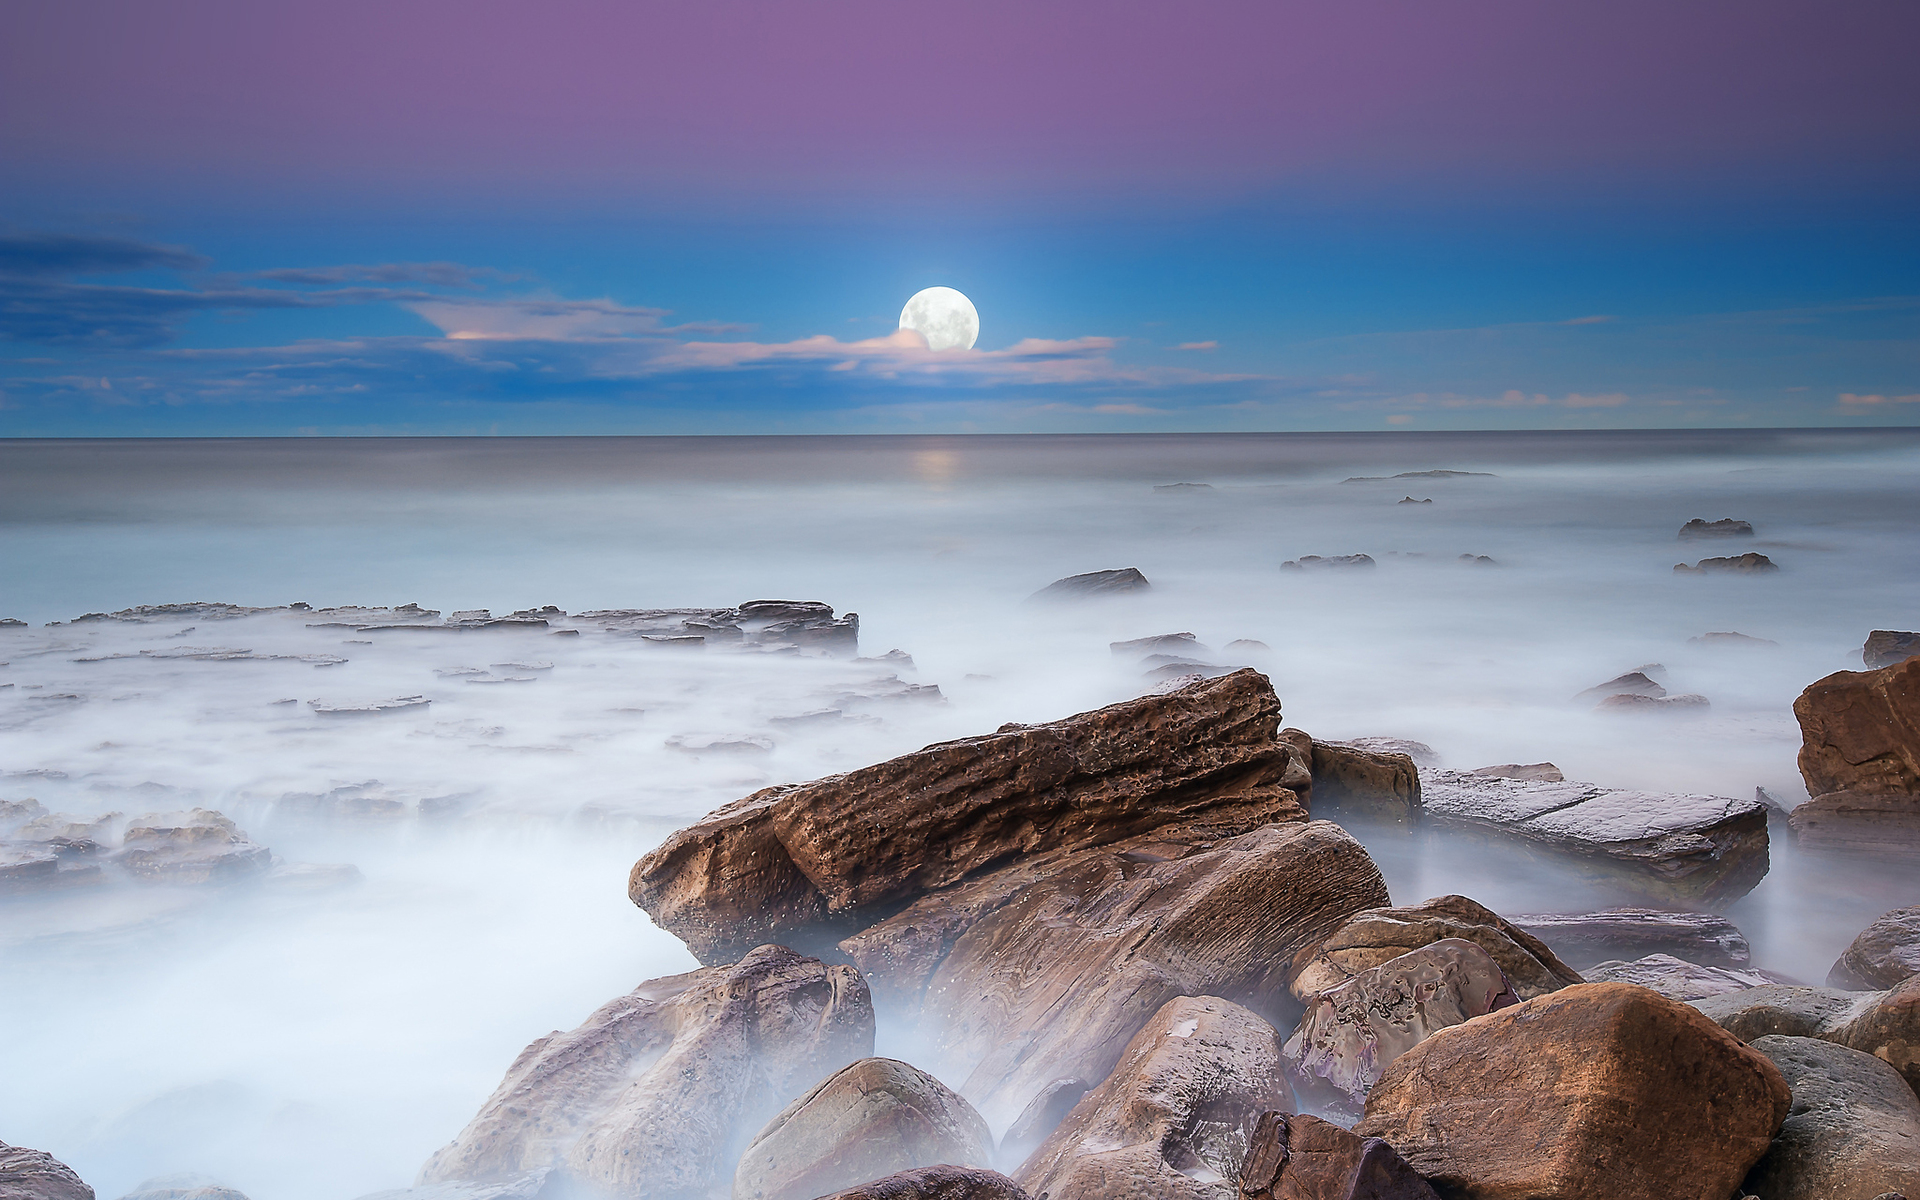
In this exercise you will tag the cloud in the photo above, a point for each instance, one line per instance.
(1198, 346)
(1859, 403)
(1595, 320)
(60, 313)
(552, 320)
(431, 274)
(58, 254)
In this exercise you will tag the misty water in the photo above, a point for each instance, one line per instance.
(313, 1037)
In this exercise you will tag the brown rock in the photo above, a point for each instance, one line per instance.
(1359, 782)
(1885, 647)
(1043, 970)
(1604, 1089)
(658, 1091)
(936, 1183)
(1889, 1029)
(1860, 732)
(1306, 1158)
(1583, 939)
(1353, 1032)
(1175, 1117)
(868, 1119)
(807, 864)
(201, 846)
(1885, 953)
(1380, 935)
(36, 1175)
(1853, 1131)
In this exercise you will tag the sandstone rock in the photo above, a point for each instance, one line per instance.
(1627, 703)
(936, 1183)
(1889, 1029)
(1043, 970)
(1315, 562)
(201, 846)
(1884, 1024)
(1353, 1032)
(807, 864)
(1175, 1116)
(1381, 935)
(871, 1118)
(1306, 1158)
(1422, 754)
(1677, 979)
(1633, 683)
(1887, 647)
(1860, 755)
(1603, 1089)
(1725, 527)
(1094, 584)
(1361, 782)
(36, 1175)
(1040, 1117)
(1545, 771)
(1583, 939)
(1853, 1132)
(656, 1094)
(1677, 848)
(1885, 953)
(1411, 500)
(1744, 564)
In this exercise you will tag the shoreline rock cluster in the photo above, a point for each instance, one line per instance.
(42, 852)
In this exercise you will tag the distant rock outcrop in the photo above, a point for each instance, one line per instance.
(1094, 585)
(1723, 528)
(1315, 562)
(1749, 563)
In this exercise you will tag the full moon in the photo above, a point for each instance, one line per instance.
(944, 317)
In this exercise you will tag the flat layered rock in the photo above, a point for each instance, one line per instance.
(808, 864)
(1677, 979)
(1174, 1118)
(201, 846)
(1583, 939)
(1885, 953)
(1723, 528)
(1043, 970)
(657, 1093)
(1853, 1132)
(1306, 1158)
(1679, 848)
(1604, 1089)
(1381, 935)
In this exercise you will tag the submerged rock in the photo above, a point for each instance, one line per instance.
(1745, 564)
(1160, 643)
(1885, 953)
(1583, 939)
(1633, 683)
(201, 846)
(1687, 702)
(1729, 639)
(1603, 1089)
(1315, 562)
(1094, 584)
(1380, 935)
(658, 1091)
(872, 1118)
(1860, 757)
(936, 1183)
(1175, 1117)
(1853, 1132)
(1422, 754)
(1683, 849)
(36, 1175)
(1725, 527)
(1888, 647)
(1306, 1158)
(1677, 979)
(807, 864)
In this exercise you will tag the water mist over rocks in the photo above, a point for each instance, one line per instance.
(325, 1041)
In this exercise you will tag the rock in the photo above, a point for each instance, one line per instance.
(936, 1183)
(1094, 584)
(186, 1186)
(1884, 1024)
(534, 1185)
(1314, 562)
(1725, 527)
(201, 846)
(871, 1118)
(1043, 970)
(1381, 935)
(1584, 939)
(1689, 702)
(1478, 560)
(1182, 487)
(1175, 1117)
(658, 1091)
(1419, 475)
(1603, 1089)
(1860, 758)
(1745, 564)
(1885, 953)
(1411, 500)
(1247, 645)
(808, 864)
(1682, 849)
(1160, 643)
(1306, 1158)
(1889, 1029)
(1422, 754)
(327, 708)
(1887, 647)
(1353, 1032)
(36, 1175)
(1853, 1132)
(1542, 771)
(1729, 639)
(1040, 1117)
(1363, 782)
(1677, 979)
(1633, 683)
(1859, 823)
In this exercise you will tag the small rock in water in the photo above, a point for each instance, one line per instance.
(1182, 487)
(1247, 645)
(1885, 647)
(1746, 564)
(1633, 683)
(1687, 702)
(1159, 643)
(1094, 584)
(1365, 782)
(719, 743)
(1411, 500)
(1478, 560)
(1860, 759)
(1885, 953)
(1422, 754)
(1725, 527)
(1729, 639)
(327, 708)
(201, 846)
(1315, 562)
(1544, 771)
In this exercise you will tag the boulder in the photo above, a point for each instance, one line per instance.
(1306, 1158)
(1380, 935)
(1353, 1032)
(1622, 933)
(1885, 953)
(1681, 849)
(657, 1092)
(808, 864)
(1043, 970)
(1889, 1029)
(1602, 1089)
(1633, 683)
(1545, 771)
(1725, 527)
(1853, 1132)
(1744, 564)
(1175, 1116)
(1860, 756)
(1887, 647)
(36, 1175)
(1364, 782)
(1883, 1024)
(936, 1183)
(1094, 584)
(201, 846)
(1677, 979)
(1422, 754)
(1315, 562)
(871, 1118)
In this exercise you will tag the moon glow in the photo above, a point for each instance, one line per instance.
(944, 317)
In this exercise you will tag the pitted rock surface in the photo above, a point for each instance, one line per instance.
(1380, 935)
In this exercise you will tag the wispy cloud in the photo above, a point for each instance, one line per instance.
(429, 274)
(1198, 346)
(1863, 403)
(59, 254)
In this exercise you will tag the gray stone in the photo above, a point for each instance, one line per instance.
(1885, 953)
(1853, 1132)
(1094, 585)
(1675, 978)
(1583, 939)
